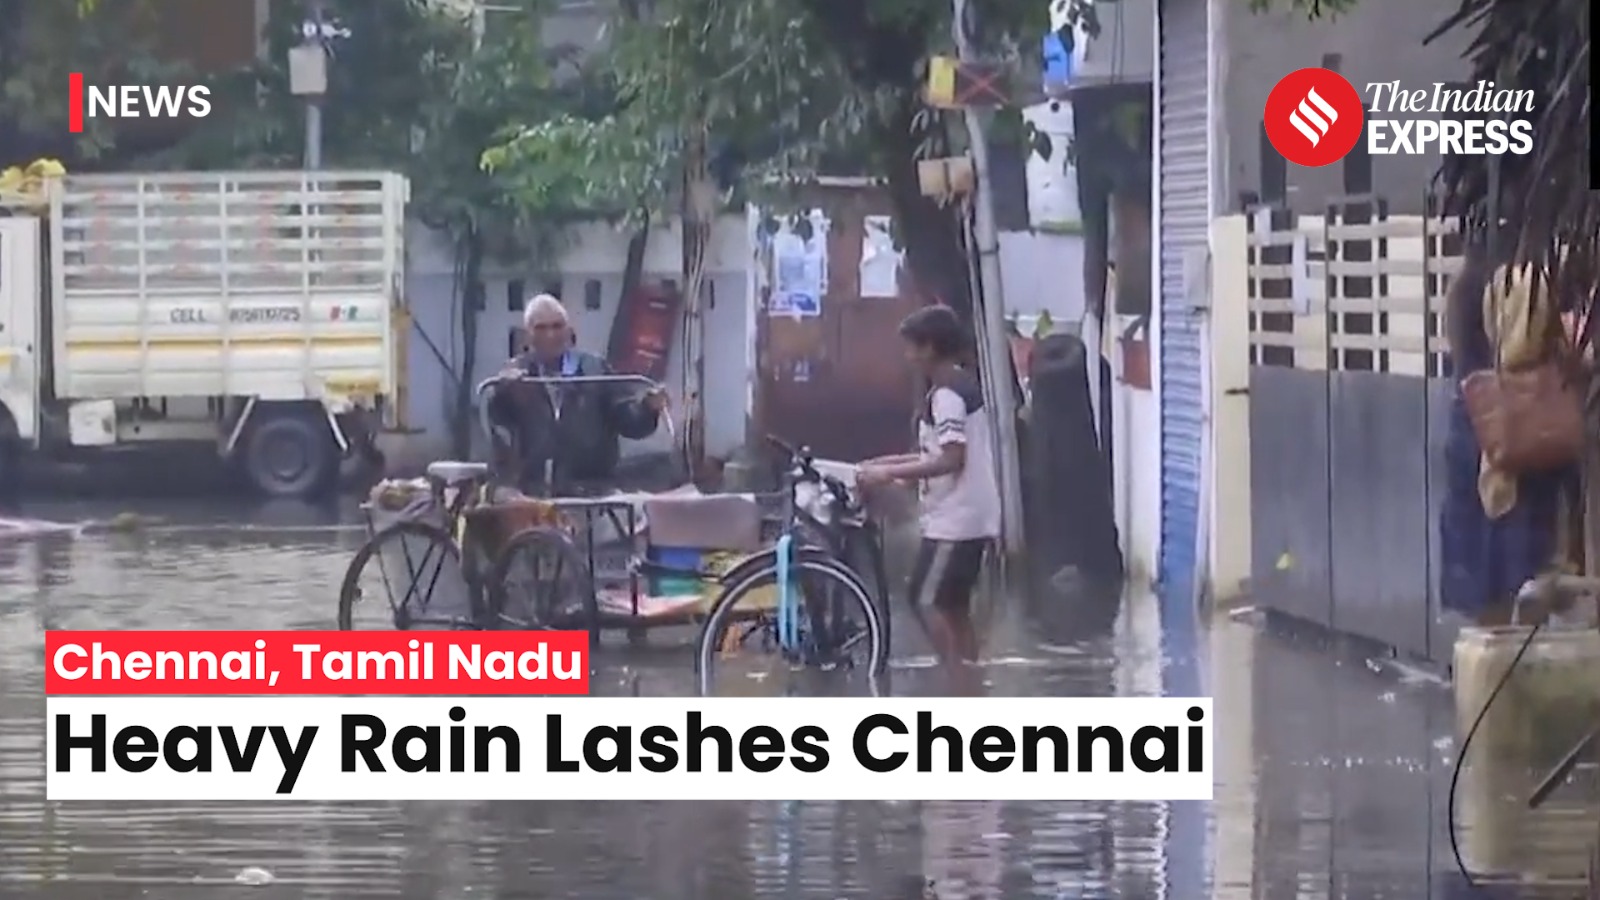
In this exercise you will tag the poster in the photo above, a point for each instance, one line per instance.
(800, 270)
(880, 260)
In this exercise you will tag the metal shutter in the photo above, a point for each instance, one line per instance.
(1185, 220)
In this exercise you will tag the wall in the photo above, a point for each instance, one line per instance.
(1043, 271)
(1228, 338)
(1052, 180)
(1375, 42)
(595, 252)
(1135, 440)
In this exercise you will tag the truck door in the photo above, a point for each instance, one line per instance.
(19, 323)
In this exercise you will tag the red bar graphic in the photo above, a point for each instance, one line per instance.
(75, 102)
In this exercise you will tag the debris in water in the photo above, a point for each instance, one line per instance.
(23, 529)
(254, 876)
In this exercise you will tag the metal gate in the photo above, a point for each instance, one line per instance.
(1185, 217)
(1348, 416)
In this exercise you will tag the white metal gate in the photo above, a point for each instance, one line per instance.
(1185, 214)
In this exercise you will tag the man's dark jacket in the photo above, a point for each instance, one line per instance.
(582, 440)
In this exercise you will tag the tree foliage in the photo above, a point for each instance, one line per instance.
(109, 41)
(1552, 219)
(738, 70)
(785, 90)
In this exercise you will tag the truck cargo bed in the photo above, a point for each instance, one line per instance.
(279, 285)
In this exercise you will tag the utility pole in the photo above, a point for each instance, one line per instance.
(989, 309)
(308, 74)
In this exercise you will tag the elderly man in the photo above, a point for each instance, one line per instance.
(564, 438)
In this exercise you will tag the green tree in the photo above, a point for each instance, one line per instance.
(783, 89)
(1552, 219)
(109, 41)
(422, 89)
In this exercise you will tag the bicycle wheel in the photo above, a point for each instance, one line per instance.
(406, 576)
(839, 629)
(541, 581)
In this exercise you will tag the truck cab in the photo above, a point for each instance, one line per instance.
(256, 311)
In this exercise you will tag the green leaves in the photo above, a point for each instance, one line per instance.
(109, 41)
(1553, 221)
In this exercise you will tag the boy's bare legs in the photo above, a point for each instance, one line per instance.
(956, 643)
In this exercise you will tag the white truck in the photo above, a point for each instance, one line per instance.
(258, 311)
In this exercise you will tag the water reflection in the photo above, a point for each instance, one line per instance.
(1331, 776)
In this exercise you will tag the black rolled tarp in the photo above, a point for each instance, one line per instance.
(1072, 532)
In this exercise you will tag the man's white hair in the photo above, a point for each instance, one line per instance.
(543, 306)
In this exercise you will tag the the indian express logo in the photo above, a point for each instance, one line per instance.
(1442, 119)
(1314, 117)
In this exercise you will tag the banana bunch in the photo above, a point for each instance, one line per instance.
(28, 182)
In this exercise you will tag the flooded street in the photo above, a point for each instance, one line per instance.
(1332, 775)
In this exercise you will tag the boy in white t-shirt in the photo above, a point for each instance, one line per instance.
(959, 497)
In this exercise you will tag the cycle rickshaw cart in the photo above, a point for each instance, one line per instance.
(460, 549)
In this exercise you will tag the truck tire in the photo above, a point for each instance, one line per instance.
(289, 455)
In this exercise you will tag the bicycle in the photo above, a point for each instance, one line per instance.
(811, 607)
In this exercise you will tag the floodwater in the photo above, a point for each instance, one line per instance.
(1332, 770)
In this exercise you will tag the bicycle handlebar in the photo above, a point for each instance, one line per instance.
(805, 469)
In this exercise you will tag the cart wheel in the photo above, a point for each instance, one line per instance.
(406, 576)
(541, 581)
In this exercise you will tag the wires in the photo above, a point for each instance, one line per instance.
(1461, 756)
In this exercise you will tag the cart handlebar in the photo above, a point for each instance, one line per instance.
(518, 378)
(502, 378)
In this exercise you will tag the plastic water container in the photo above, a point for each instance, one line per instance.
(1549, 702)
(685, 558)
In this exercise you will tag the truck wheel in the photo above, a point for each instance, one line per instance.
(289, 456)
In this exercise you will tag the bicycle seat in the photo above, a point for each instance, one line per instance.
(452, 472)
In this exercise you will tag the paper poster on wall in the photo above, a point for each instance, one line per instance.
(800, 270)
(880, 259)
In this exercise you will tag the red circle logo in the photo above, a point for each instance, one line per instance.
(1314, 117)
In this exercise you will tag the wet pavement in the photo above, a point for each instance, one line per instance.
(1332, 771)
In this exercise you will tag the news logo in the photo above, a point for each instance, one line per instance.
(180, 716)
(133, 101)
(1314, 117)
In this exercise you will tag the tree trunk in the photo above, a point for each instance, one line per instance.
(699, 209)
(929, 234)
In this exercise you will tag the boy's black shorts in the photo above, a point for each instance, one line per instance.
(946, 573)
